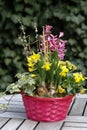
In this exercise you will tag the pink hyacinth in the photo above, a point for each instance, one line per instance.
(61, 49)
(61, 34)
(48, 29)
(54, 42)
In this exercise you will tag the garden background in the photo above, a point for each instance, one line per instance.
(68, 16)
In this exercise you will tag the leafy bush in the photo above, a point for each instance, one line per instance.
(66, 16)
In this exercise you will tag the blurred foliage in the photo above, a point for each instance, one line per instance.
(68, 16)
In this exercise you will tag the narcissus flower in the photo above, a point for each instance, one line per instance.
(60, 89)
(78, 77)
(46, 66)
(64, 71)
(30, 69)
(34, 57)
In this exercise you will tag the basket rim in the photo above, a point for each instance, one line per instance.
(48, 98)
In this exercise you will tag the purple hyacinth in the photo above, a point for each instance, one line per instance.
(55, 43)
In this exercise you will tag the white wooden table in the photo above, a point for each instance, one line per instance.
(14, 117)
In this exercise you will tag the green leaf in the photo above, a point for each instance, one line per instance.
(47, 13)
(2, 94)
(29, 89)
(85, 41)
(7, 61)
(72, 41)
(12, 88)
(19, 7)
(69, 88)
(29, 11)
(3, 106)
(26, 20)
(16, 18)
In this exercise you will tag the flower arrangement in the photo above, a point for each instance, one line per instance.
(49, 75)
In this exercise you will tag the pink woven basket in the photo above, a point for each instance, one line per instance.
(46, 109)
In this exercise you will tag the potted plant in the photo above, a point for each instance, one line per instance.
(51, 82)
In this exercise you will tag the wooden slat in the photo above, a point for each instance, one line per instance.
(69, 124)
(81, 96)
(75, 124)
(3, 101)
(14, 115)
(3, 121)
(85, 112)
(12, 124)
(82, 119)
(73, 128)
(12, 102)
(6, 97)
(16, 108)
(49, 126)
(28, 125)
(17, 97)
(78, 107)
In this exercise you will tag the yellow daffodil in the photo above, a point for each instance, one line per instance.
(29, 59)
(33, 75)
(82, 91)
(46, 66)
(70, 65)
(61, 63)
(78, 77)
(64, 71)
(30, 64)
(61, 90)
(35, 57)
(30, 69)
